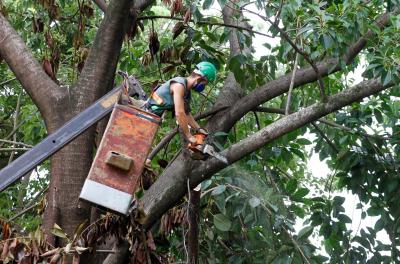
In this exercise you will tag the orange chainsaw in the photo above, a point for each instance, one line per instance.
(202, 148)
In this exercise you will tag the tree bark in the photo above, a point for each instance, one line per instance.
(303, 76)
(193, 232)
(44, 92)
(70, 166)
(170, 187)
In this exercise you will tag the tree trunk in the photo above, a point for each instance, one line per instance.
(193, 233)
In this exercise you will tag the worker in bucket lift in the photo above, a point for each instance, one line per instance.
(175, 94)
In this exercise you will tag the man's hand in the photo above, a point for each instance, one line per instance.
(191, 139)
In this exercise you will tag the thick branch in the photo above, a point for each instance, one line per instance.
(292, 122)
(43, 91)
(303, 76)
(168, 137)
(98, 73)
(326, 122)
(171, 186)
(101, 4)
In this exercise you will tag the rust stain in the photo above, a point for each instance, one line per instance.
(128, 134)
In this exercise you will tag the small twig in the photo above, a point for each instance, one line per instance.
(298, 50)
(330, 143)
(8, 81)
(306, 260)
(207, 23)
(341, 127)
(224, 245)
(296, 60)
(16, 143)
(278, 13)
(22, 212)
(15, 124)
(37, 196)
(257, 120)
(13, 149)
(13, 131)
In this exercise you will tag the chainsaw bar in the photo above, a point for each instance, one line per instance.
(211, 151)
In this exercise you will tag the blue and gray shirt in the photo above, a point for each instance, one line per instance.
(161, 99)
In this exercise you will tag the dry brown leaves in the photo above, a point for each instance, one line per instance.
(176, 7)
(25, 250)
(48, 68)
(154, 43)
(37, 25)
(87, 10)
(188, 15)
(146, 59)
(52, 9)
(175, 217)
(177, 29)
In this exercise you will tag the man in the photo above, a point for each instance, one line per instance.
(175, 94)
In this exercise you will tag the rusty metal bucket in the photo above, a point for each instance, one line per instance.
(120, 158)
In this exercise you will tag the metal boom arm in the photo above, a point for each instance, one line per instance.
(70, 130)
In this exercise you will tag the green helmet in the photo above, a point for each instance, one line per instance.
(207, 70)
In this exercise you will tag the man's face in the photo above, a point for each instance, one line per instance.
(200, 84)
(201, 80)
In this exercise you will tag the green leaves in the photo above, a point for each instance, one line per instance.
(218, 190)
(291, 186)
(222, 222)
(305, 232)
(254, 202)
(299, 194)
(235, 64)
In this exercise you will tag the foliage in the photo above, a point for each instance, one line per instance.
(250, 211)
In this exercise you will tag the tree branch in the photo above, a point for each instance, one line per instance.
(168, 137)
(289, 97)
(304, 76)
(171, 185)
(324, 121)
(13, 149)
(16, 143)
(12, 132)
(43, 91)
(98, 72)
(15, 124)
(7, 82)
(330, 143)
(207, 23)
(101, 4)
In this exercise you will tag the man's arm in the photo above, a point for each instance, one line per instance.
(178, 92)
(192, 123)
